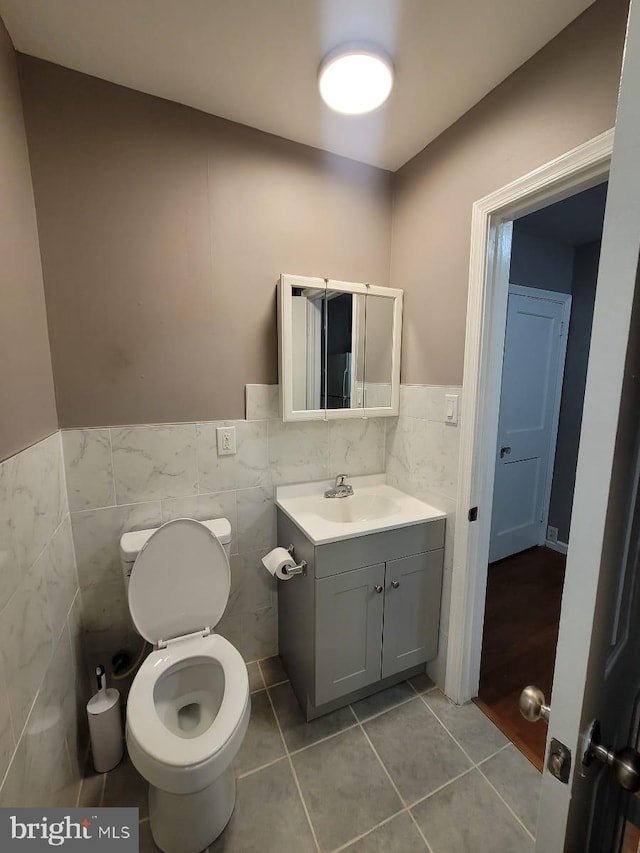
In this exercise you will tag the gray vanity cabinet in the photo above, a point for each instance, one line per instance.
(364, 615)
(411, 611)
(349, 613)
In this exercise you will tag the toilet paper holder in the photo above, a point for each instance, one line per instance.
(299, 568)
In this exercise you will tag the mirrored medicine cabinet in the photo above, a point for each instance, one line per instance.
(339, 349)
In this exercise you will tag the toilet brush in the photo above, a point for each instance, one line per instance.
(105, 724)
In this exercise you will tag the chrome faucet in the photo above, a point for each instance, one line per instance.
(341, 489)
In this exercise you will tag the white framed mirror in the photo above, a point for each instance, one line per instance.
(339, 348)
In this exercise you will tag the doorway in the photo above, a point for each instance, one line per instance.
(552, 282)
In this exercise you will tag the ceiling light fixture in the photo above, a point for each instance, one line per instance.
(354, 80)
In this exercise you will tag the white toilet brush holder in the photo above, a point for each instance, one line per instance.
(105, 725)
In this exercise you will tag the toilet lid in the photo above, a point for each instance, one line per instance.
(179, 582)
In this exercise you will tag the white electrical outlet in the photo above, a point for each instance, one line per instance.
(552, 533)
(226, 440)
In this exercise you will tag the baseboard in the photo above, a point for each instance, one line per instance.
(560, 547)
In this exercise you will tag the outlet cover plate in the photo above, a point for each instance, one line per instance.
(451, 408)
(226, 440)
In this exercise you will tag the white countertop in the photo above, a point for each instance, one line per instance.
(307, 507)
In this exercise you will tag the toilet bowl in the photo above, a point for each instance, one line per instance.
(189, 705)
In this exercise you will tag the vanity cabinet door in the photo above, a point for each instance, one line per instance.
(349, 609)
(413, 586)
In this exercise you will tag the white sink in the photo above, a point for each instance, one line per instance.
(359, 507)
(374, 506)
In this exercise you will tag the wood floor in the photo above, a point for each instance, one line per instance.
(522, 615)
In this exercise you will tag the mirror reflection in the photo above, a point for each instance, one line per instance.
(328, 349)
(308, 319)
(339, 348)
(345, 349)
(378, 353)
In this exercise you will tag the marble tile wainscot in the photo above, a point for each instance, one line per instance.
(131, 478)
(421, 456)
(43, 736)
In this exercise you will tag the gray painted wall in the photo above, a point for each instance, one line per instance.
(540, 262)
(164, 231)
(565, 95)
(583, 290)
(27, 403)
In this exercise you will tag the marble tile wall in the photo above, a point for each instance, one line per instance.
(421, 458)
(42, 717)
(131, 478)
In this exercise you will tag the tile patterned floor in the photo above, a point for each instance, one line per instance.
(401, 771)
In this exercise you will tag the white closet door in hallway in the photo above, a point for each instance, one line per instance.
(533, 367)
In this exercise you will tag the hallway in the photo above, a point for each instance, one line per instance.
(522, 615)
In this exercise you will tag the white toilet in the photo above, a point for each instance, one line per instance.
(189, 704)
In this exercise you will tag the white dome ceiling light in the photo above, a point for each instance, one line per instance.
(354, 80)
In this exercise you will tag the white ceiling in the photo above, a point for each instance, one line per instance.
(255, 61)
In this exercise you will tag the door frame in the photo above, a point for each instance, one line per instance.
(565, 300)
(491, 231)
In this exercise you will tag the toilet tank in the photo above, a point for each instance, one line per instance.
(132, 543)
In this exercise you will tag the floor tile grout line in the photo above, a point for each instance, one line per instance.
(294, 752)
(395, 787)
(261, 676)
(493, 754)
(440, 788)
(357, 724)
(304, 803)
(322, 740)
(276, 683)
(294, 774)
(452, 736)
(475, 766)
(450, 733)
(382, 764)
(493, 787)
(360, 723)
(300, 749)
(357, 838)
(380, 713)
(261, 767)
(422, 692)
(420, 832)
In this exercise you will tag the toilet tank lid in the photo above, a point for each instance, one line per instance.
(132, 543)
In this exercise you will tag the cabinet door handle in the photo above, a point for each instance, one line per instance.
(378, 588)
(395, 584)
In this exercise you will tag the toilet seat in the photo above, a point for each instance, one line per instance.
(180, 582)
(171, 762)
(178, 591)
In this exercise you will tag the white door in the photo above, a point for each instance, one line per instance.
(533, 365)
(597, 674)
